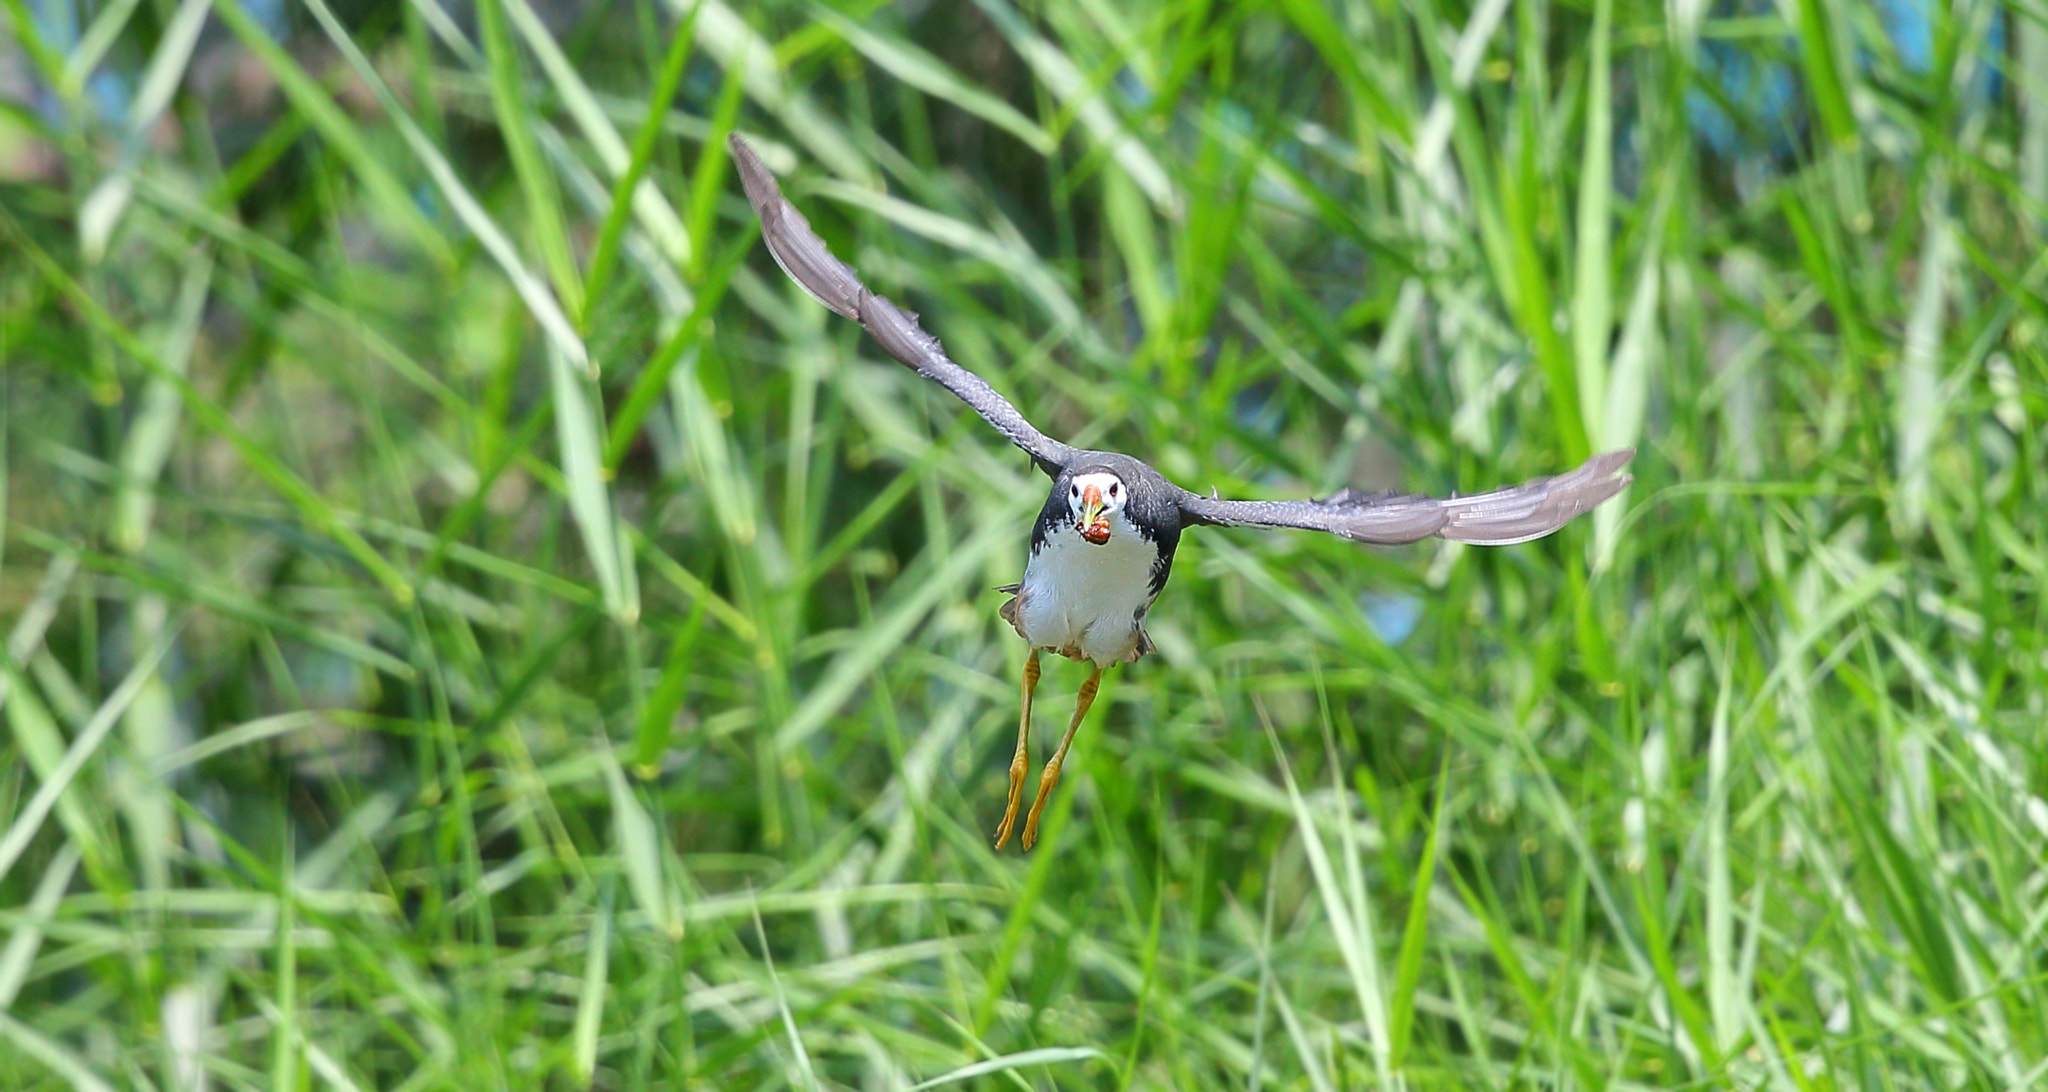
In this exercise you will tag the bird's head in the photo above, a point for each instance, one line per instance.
(1092, 499)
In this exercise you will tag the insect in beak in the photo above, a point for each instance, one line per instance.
(1094, 526)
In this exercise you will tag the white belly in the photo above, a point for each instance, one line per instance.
(1079, 597)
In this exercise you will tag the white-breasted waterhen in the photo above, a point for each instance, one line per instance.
(1103, 544)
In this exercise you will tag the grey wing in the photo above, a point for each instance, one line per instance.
(803, 256)
(1502, 517)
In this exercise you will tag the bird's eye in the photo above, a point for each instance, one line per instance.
(1076, 491)
(1112, 490)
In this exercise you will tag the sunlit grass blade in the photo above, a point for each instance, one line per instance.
(707, 182)
(51, 1054)
(92, 46)
(547, 313)
(657, 717)
(101, 210)
(605, 251)
(1917, 410)
(284, 1011)
(849, 669)
(546, 223)
(1592, 272)
(577, 432)
(805, 1076)
(385, 191)
(650, 208)
(1632, 372)
(1009, 1063)
(311, 507)
(590, 1003)
(918, 68)
(1415, 933)
(18, 957)
(735, 45)
(1724, 1004)
(709, 450)
(1083, 99)
(640, 853)
(154, 430)
(29, 819)
(1350, 920)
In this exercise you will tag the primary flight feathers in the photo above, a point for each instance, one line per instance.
(803, 256)
(1502, 517)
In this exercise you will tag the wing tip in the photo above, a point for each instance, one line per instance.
(803, 256)
(755, 177)
(1563, 499)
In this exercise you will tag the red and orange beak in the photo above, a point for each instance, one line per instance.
(1094, 526)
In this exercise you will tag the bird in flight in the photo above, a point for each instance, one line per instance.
(1103, 544)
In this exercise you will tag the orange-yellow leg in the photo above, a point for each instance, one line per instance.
(1020, 760)
(1049, 779)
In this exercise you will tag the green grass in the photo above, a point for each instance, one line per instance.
(470, 622)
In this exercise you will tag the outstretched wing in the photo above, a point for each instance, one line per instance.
(803, 256)
(1503, 517)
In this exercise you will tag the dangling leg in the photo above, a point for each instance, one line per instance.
(1051, 776)
(1023, 755)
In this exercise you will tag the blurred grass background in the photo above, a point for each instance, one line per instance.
(470, 623)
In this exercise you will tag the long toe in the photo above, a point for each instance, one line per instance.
(1010, 806)
(1047, 782)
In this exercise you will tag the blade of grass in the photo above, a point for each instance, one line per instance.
(604, 253)
(1917, 411)
(312, 508)
(18, 958)
(796, 1041)
(307, 97)
(54, 1056)
(546, 311)
(735, 45)
(1350, 925)
(1592, 280)
(657, 719)
(1724, 1006)
(1084, 99)
(917, 68)
(657, 375)
(154, 429)
(1009, 1063)
(652, 210)
(1415, 934)
(1341, 53)
(639, 849)
(547, 225)
(30, 818)
(707, 182)
(100, 212)
(590, 1001)
(284, 1019)
(1519, 191)
(576, 431)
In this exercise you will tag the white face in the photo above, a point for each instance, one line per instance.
(1109, 492)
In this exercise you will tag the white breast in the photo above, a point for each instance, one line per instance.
(1079, 597)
